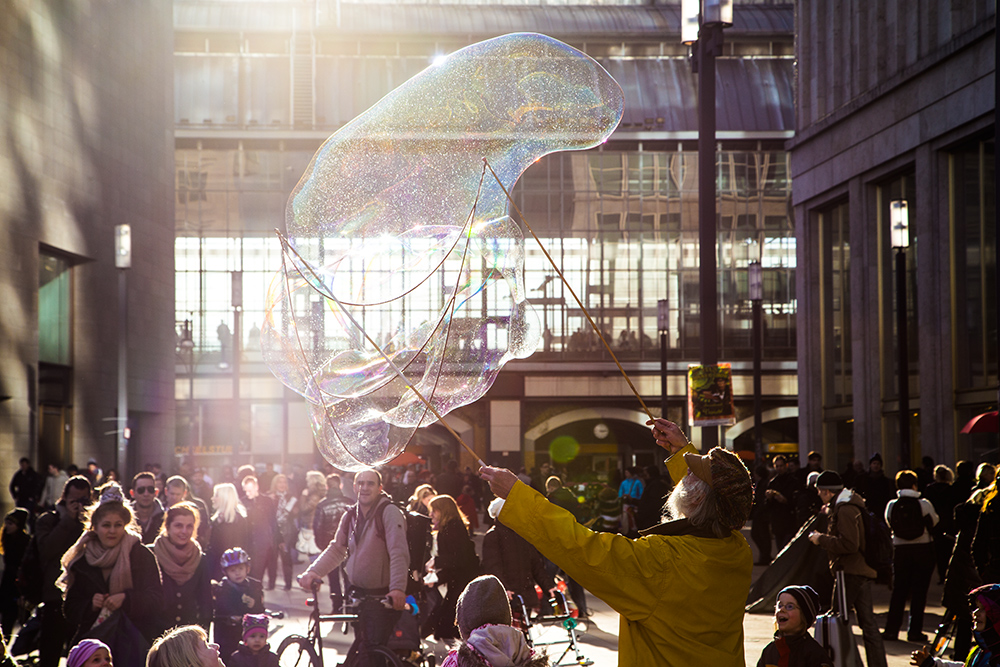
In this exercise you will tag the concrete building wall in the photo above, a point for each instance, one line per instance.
(86, 145)
(887, 88)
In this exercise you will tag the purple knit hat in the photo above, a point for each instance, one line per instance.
(80, 653)
(253, 622)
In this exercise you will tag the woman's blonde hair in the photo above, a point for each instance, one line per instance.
(316, 482)
(227, 503)
(183, 508)
(449, 510)
(177, 647)
(274, 482)
(417, 492)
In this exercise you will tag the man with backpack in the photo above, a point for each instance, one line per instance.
(911, 519)
(371, 539)
(844, 543)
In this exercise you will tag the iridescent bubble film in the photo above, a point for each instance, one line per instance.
(401, 258)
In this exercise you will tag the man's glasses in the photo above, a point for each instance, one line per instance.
(787, 607)
(144, 489)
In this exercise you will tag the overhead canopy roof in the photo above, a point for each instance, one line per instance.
(480, 20)
(753, 95)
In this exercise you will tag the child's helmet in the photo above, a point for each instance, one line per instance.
(235, 556)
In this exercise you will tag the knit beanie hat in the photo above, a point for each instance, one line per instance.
(253, 622)
(988, 597)
(725, 473)
(807, 599)
(19, 516)
(875, 457)
(829, 481)
(484, 601)
(80, 653)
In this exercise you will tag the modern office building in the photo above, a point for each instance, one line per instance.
(260, 85)
(890, 105)
(86, 147)
(896, 105)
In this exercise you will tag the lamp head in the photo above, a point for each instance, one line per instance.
(899, 220)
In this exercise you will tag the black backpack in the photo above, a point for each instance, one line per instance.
(907, 518)
(878, 547)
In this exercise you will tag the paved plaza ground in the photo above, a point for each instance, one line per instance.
(599, 634)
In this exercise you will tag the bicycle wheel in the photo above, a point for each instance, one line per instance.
(296, 651)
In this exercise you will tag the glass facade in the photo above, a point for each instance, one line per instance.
(256, 92)
(621, 226)
(836, 334)
(974, 212)
(835, 277)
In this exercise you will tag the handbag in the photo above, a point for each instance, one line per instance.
(128, 646)
(833, 629)
(306, 543)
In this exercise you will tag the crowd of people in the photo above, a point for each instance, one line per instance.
(151, 571)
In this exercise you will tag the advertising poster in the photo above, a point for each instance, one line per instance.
(710, 395)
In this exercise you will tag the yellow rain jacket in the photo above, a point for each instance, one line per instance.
(680, 594)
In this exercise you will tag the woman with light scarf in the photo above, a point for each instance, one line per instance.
(187, 587)
(108, 568)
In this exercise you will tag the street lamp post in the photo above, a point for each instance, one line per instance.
(123, 262)
(237, 301)
(900, 238)
(663, 325)
(756, 282)
(702, 23)
(186, 345)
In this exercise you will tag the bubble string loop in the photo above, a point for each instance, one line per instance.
(287, 249)
(570, 288)
(409, 385)
(285, 246)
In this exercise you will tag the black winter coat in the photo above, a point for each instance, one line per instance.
(516, 563)
(244, 657)
(803, 651)
(650, 510)
(14, 546)
(55, 533)
(233, 600)
(262, 517)
(143, 604)
(326, 519)
(226, 536)
(456, 562)
(189, 603)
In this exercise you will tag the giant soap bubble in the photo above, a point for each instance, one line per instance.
(401, 281)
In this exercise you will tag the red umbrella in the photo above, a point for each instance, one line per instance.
(984, 423)
(405, 459)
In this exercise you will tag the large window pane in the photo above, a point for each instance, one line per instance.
(54, 300)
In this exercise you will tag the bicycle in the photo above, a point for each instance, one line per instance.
(307, 651)
(560, 618)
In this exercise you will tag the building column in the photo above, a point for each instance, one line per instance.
(809, 336)
(866, 335)
(934, 317)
